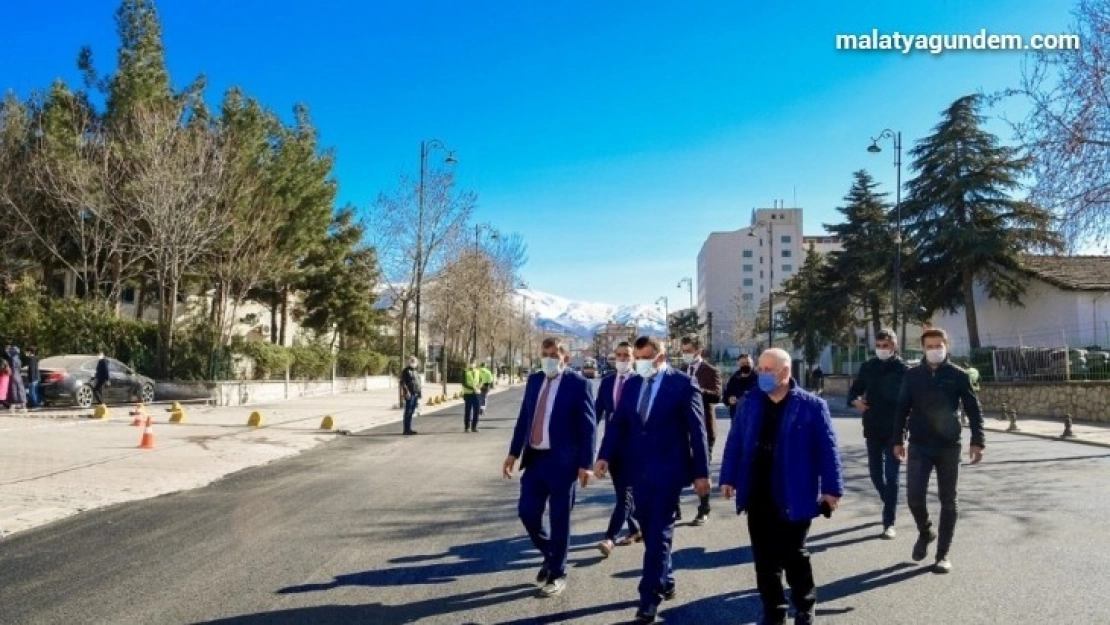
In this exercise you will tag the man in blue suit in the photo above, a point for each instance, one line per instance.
(782, 464)
(555, 437)
(657, 435)
(608, 395)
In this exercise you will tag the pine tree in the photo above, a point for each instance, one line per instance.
(964, 227)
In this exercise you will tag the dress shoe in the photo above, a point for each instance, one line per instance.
(670, 592)
(541, 577)
(411, 433)
(921, 547)
(647, 614)
(803, 618)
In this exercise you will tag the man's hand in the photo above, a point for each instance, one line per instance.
(601, 468)
(860, 404)
(702, 486)
(900, 452)
(507, 468)
(833, 501)
(727, 491)
(976, 454)
(584, 476)
(731, 401)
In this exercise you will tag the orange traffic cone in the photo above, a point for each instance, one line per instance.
(137, 415)
(147, 441)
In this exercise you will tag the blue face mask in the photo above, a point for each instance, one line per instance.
(768, 382)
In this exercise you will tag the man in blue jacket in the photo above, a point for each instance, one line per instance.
(657, 436)
(555, 437)
(782, 464)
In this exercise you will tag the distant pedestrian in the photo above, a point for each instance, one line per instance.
(554, 438)
(100, 378)
(928, 400)
(17, 392)
(470, 392)
(485, 381)
(34, 398)
(410, 392)
(742, 381)
(874, 393)
(608, 396)
(5, 382)
(782, 464)
(818, 380)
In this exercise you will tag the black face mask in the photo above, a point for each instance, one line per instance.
(745, 369)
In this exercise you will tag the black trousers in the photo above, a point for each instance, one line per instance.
(98, 392)
(919, 469)
(777, 546)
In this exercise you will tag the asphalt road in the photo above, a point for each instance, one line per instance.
(378, 529)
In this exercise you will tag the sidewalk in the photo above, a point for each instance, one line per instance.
(54, 466)
(1085, 432)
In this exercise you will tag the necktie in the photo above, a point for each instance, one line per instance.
(617, 396)
(541, 414)
(645, 399)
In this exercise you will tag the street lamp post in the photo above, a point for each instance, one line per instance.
(690, 286)
(771, 276)
(425, 148)
(666, 316)
(896, 137)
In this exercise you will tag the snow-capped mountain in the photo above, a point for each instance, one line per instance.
(583, 318)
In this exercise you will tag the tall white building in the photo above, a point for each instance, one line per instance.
(738, 269)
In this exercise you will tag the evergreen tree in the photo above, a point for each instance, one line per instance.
(815, 313)
(964, 227)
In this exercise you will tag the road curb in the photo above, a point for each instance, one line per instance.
(1049, 437)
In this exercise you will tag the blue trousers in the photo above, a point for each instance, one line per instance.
(547, 484)
(884, 475)
(471, 410)
(623, 511)
(655, 512)
(410, 409)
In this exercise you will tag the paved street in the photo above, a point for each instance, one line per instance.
(380, 529)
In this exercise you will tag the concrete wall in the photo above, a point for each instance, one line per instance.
(235, 393)
(1086, 401)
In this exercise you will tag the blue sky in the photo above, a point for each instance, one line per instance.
(613, 136)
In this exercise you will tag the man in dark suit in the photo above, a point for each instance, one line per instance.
(708, 379)
(100, 378)
(608, 395)
(555, 437)
(657, 435)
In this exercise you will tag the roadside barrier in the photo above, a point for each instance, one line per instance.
(255, 419)
(328, 423)
(100, 411)
(147, 441)
(177, 413)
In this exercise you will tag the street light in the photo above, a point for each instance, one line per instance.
(874, 148)
(689, 285)
(478, 228)
(666, 315)
(425, 148)
(771, 275)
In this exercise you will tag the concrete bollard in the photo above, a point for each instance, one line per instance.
(255, 419)
(1005, 412)
(1067, 427)
(100, 411)
(1013, 427)
(328, 423)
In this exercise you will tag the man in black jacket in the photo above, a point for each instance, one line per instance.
(742, 381)
(410, 392)
(874, 394)
(100, 378)
(927, 404)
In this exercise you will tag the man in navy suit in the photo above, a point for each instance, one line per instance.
(555, 437)
(608, 395)
(657, 435)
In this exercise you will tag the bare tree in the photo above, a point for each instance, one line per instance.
(1067, 129)
(167, 173)
(414, 241)
(743, 318)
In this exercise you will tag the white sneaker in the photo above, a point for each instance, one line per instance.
(888, 533)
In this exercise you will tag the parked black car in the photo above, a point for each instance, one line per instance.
(67, 380)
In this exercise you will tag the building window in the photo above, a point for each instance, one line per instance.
(786, 253)
(128, 295)
(747, 297)
(786, 238)
(748, 282)
(747, 254)
(747, 267)
(788, 268)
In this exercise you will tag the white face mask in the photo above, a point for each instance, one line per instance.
(687, 358)
(884, 354)
(552, 366)
(645, 367)
(624, 366)
(936, 356)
